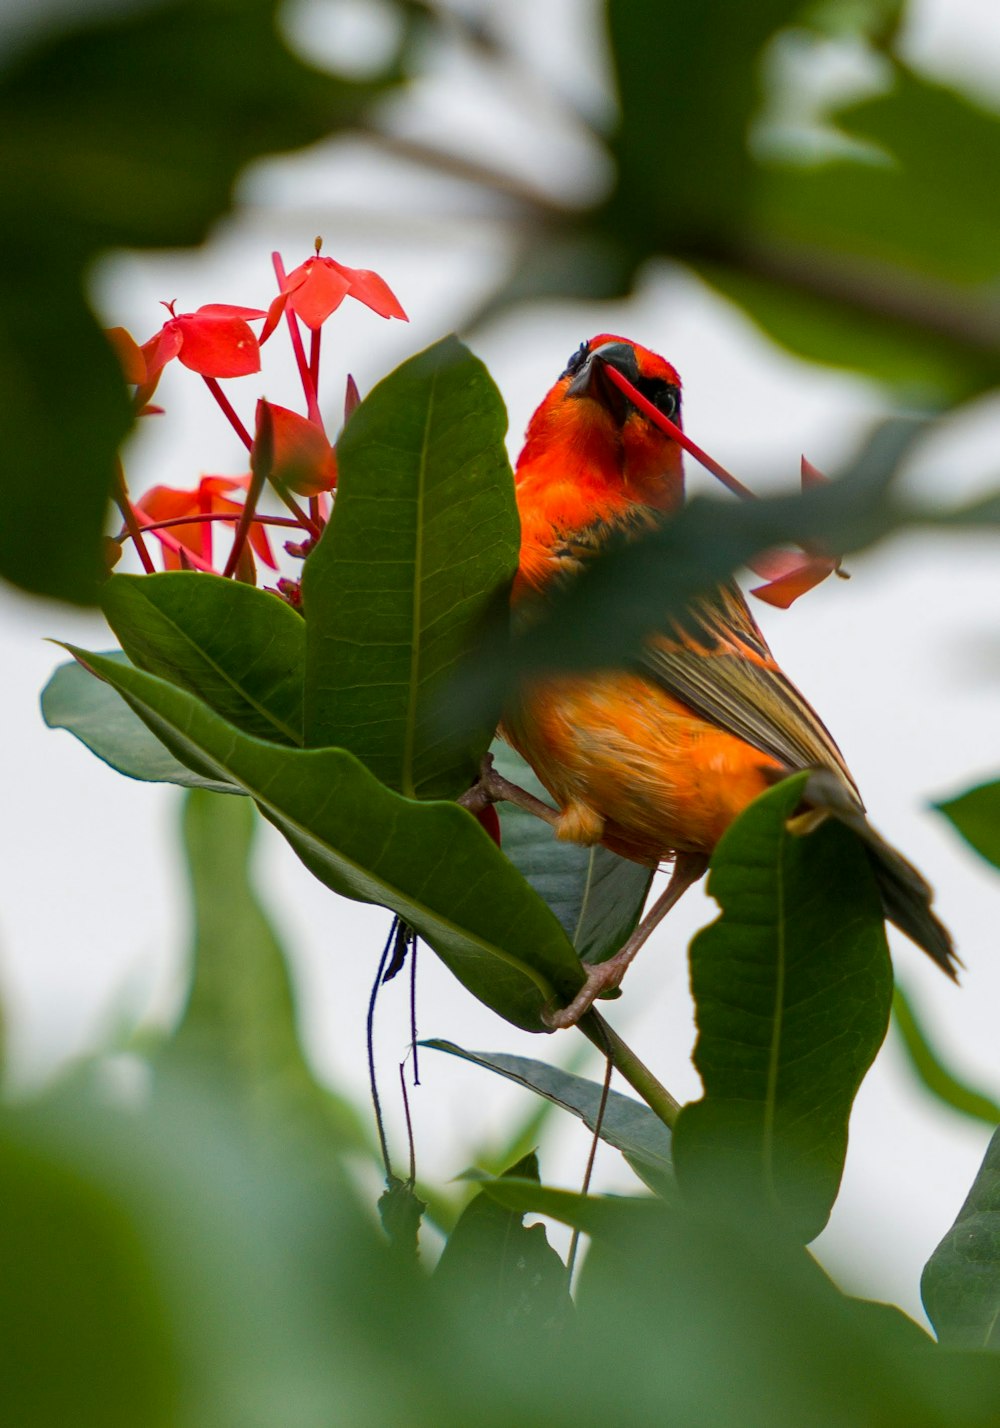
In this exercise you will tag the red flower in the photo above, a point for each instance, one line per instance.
(215, 341)
(302, 459)
(192, 544)
(317, 287)
(790, 574)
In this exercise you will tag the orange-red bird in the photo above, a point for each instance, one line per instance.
(656, 760)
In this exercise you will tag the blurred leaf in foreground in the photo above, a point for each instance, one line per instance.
(960, 1286)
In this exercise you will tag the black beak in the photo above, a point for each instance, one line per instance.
(591, 380)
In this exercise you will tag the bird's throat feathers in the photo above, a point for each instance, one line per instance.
(582, 469)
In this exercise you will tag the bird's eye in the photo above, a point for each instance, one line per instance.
(663, 395)
(577, 360)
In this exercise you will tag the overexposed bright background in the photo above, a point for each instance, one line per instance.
(903, 661)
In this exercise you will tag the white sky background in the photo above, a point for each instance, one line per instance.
(903, 661)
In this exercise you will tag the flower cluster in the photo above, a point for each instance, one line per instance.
(287, 451)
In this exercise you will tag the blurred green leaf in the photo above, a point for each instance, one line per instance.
(687, 88)
(627, 1124)
(506, 1274)
(597, 896)
(976, 815)
(792, 988)
(733, 1325)
(637, 586)
(127, 129)
(418, 555)
(929, 343)
(432, 864)
(84, 1336)
(920, 211)
(239, 649)
(931, 1071)
(96, 714)
(240, 1019)
(960, 1285)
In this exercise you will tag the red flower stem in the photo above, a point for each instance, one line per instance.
(191, 560)
(149, 526)
(315, 514)
(301, 519)
(120, 494)
(227, 407)
(673, 430)
(316, 337)
(309, 386)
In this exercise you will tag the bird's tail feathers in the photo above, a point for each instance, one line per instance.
(906, 895)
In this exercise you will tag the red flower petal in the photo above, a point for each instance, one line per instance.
(812, 475)
(372, 290)
(159, 350)
(227, 309)
(787, 588)
(218, 346)
(303, 459)
(274, 316)
(315, 289)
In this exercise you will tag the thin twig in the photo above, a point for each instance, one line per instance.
(409, 1123)
(640, 1078)
(413, 1009)
(370, 1035)
(574, 1243)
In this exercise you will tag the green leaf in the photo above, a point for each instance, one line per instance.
(828, 311)
(684, 171)
(239, 649)
(504, 1273)
(976, 815)
(432, 864)
(597, 896)
(103, 149)
(77, 1295)
(927, 1065)
(637, 586)
(416, 559)
(892, 211)
(96, 714)
(600, 1216)
(627, 1124)
(240, 1020)
(792, 988)
(960, 1285)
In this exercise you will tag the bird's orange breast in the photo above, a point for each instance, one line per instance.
(633, 767)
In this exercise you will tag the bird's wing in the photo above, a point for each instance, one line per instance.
(716, 661)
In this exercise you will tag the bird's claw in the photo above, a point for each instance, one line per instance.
(605, 977)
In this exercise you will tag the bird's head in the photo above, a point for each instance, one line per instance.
(593, 431)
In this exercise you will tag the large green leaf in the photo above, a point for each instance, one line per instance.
(96, 714)
(416, 558)
(792, 988)
(505, 1273)
(960, 1285)
(240, 1019)
(976, 815)
(239, 649)
(125, 129)
(432, 864)
(596, 895)
(627, 1124)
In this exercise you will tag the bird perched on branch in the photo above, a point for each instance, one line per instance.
(655, 759)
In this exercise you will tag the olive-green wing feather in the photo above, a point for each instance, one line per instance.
(716, 661)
